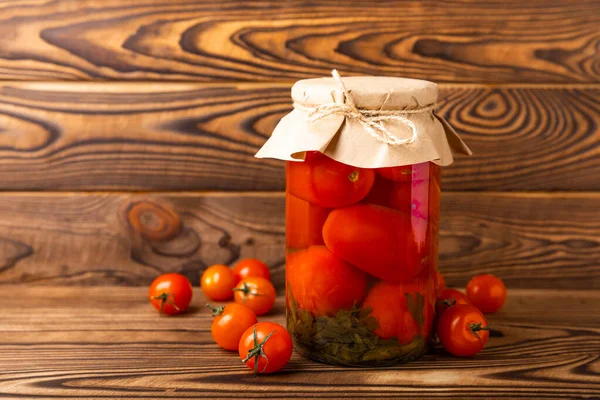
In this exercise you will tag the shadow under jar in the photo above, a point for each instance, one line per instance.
(361, 256)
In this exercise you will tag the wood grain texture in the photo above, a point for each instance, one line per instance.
(529, 240)
(445, 41)
(112, 344)
(105, 136)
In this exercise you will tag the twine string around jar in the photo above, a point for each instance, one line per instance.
(371, 120)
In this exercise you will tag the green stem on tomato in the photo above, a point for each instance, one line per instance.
(216, 310)
(164, 299)
(246, 290)
(476, 327)
(449, 302)
(258, 351)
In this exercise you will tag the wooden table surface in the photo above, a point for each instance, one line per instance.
(108, 342)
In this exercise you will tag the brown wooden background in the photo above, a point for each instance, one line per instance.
(161, 104)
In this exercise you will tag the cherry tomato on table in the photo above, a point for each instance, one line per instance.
(251, 267)
(448, 298)
(217, 282)
(376, 239)
(265, 347)
(230, 323)
(170, 293)
(463, 330)
(487, 293)
(323, 284)
(256, 293)
(328, 183)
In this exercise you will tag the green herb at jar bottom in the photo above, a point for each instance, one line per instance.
(347, 338)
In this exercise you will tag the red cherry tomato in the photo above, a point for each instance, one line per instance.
(406, 173)
(328, 183)
(323, 284)
(170, 293)
(487, 293)
(251, 267)
(388, 304)
(304, 223)
(258, 294)
(230, 323)
(217, 282)
(448, 298)
(441, 282)
(376, 239)
(265, 347)
(463, 330)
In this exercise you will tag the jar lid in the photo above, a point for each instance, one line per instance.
(368, 92)
(368, 122)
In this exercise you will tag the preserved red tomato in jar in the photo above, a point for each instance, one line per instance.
(362, 216)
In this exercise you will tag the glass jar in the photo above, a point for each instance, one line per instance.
(362, 214)
(361, 258)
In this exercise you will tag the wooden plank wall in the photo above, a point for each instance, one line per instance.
(161, 104)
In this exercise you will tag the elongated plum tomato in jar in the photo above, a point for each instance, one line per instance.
(256, 293)
(265, 347)
(487, 293)
(463, 330)
(376, 239)
(217, 282)
(448, 298)
(323, 284)
(304, 223)
(170, 293)
(388, 303)
(229, 323)
(328, 183)
(251, 267)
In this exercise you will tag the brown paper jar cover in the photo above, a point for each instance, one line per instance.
(402, 108)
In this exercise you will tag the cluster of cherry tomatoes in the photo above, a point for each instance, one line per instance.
(263, 346)
(460, 324)
(266, 347)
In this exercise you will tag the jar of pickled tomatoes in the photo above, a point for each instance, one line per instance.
(362, 215)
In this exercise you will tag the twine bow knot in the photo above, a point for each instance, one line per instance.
(371, 120)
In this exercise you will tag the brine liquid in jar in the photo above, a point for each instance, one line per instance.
(361, 259)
